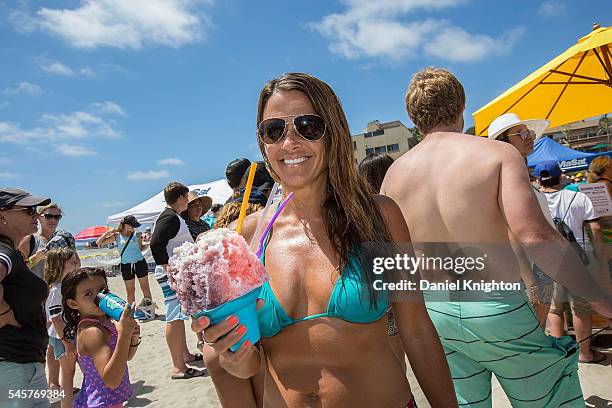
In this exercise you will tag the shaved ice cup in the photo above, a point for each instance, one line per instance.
(245, 309)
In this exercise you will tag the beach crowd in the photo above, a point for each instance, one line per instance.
(328, 338)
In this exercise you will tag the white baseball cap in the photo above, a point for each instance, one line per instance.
(508, 120)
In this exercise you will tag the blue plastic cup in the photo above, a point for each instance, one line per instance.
(245, 309)
(110, 304)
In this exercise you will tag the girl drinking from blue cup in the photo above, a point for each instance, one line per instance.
(59, 263)
(103, 347)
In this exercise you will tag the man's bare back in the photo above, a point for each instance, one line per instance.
(464, 189)
(448, 188)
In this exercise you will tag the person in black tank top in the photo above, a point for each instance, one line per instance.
(23, 330)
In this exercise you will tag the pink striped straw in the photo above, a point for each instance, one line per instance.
(269, 226)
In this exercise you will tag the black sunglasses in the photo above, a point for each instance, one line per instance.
(310, 127)
(52, 216)
(30, 211)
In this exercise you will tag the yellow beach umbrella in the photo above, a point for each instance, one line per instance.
(574, 86)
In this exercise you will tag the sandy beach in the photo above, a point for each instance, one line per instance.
(150, 371)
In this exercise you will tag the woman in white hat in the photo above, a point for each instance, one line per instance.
(197, 207)
(522, 134)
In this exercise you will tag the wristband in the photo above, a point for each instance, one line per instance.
(137, 344)
(30, 262)
(7, 310)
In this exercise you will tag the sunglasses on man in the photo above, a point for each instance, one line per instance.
(52, 216)
(30, 211)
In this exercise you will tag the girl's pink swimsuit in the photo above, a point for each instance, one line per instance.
(93, 391)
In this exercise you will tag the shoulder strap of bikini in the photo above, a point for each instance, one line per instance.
(94, 321)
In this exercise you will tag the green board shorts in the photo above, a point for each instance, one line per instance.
(501, 335)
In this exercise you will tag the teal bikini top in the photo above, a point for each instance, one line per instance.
(349, 301)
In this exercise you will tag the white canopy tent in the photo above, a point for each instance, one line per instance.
(147, 211)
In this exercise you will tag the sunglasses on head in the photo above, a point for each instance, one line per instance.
(28, 210)
(52, 216)
(310, 127)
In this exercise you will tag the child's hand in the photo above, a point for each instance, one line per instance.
(127, 323)
(135, 336)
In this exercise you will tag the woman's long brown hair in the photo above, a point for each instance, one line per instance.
(351, 216)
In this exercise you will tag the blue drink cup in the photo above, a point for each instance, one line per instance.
(244, 308)
(110, 304)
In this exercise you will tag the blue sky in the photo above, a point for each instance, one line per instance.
(103, 102)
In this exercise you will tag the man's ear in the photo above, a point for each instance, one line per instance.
(73, 304)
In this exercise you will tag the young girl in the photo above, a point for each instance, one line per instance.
(103, 349)
(58, 264)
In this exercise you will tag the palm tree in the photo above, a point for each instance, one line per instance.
(605, 125)
(416, 133)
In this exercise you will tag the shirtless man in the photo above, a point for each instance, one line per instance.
(490, 200)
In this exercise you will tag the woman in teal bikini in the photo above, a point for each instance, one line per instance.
(324, 328)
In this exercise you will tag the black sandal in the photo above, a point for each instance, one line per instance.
(189, 373)
(196, 357)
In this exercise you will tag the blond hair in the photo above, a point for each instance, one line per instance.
(54, 265)
(41, 210)
(434, 97)
(231, 211)
(597, 168)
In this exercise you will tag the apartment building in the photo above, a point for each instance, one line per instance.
(584, 135)
(393, 138)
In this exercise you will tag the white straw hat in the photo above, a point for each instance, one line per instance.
(508, 120)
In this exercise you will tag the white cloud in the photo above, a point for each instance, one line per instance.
(75, 150)
(80, 125)
(87, 72)
(65, 131)
(23, 88)
(109, 107)
(121, 24)
(5, 160)
(148, 175)
(455, 44)
(9, 175)
(55, 67)
(552, 8)
(378, 29)
(171, 161)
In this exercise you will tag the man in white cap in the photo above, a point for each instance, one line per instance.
(521, 134)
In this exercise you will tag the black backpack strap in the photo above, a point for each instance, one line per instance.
(32, 245)
(125, 247)
(569, 207)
